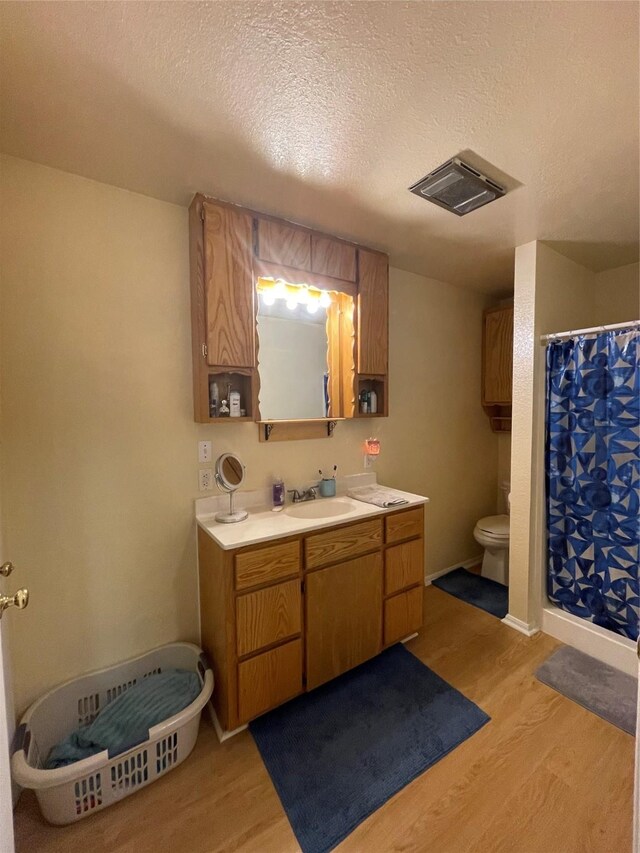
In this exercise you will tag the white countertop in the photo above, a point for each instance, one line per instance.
(264, 525)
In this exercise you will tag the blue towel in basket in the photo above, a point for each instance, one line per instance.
(125, 722)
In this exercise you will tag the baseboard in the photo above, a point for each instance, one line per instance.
(466, 564)
(220, 732)
(619, 652)
(518, 625)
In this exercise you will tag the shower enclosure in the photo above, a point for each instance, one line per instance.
(593, 477)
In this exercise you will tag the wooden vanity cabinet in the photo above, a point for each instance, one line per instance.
(283, 617)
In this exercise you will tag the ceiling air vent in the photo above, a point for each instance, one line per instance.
(457, 187)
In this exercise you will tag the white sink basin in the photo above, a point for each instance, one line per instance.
(320, 508)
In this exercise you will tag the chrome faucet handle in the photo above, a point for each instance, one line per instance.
(296, 494)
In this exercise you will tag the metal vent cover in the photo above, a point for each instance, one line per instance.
(457, 187)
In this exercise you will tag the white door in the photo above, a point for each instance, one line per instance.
(20, 600)
(6, 805)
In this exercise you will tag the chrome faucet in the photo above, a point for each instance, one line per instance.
(305, 495)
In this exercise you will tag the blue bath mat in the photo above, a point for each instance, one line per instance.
(474, 589)
(337, 754)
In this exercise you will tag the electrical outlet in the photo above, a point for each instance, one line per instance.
(368, 460)
(205, 479)
(204, 451)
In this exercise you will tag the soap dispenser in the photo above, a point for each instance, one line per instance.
(277, 492)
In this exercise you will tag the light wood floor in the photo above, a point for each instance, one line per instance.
(544, 776)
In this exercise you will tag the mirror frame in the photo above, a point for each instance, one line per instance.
(221, 480)
(233, 515)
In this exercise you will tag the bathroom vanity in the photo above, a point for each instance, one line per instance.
(291, 600)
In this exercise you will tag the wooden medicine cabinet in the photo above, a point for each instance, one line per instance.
(232, 250)
(497, 366)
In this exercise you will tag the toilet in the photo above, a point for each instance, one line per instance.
(492, 533)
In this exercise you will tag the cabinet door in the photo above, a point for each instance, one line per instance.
(497, 356)
(402, 615)
(333, 258)
(284, 244)
(344, 617)
(373, 313)
(229, 287)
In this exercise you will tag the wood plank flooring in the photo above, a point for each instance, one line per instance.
(544, 776)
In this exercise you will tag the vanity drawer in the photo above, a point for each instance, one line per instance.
(323, 548)
(403, 566)
(402, 615)
(269, 679)
(253, 568)
(268, 615)
(404, 525)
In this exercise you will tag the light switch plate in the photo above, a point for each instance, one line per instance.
(205, 479)
(204, 451)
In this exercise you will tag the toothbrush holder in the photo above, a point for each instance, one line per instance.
(327, 487)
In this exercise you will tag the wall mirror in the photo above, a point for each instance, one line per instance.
(305, 351)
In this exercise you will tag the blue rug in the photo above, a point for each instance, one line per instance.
(474, 589)
(337, 754)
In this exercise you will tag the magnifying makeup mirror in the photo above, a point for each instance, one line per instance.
(229, 476)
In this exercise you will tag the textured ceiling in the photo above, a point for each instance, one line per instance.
(326, 112)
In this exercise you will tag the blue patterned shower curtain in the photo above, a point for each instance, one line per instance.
(593, 478)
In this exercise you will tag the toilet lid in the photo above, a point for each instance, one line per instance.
(496, 524)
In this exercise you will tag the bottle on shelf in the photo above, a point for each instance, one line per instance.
(214, 400)
(234, 404)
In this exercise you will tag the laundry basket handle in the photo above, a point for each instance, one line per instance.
(203, 664)
(21, 739)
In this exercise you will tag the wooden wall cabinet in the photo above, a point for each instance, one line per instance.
(333, 258)
(230, 247)
(284, 617)
(497, 366)
(283, 244)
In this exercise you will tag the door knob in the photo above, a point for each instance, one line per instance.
(19, 600)
(6, 569)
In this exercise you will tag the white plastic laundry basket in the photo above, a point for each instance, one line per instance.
(67, 794)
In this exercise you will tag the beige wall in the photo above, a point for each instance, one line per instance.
(552, 294)
(99, 449)
(617, 291)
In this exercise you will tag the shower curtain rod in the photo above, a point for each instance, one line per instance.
(558, 336)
